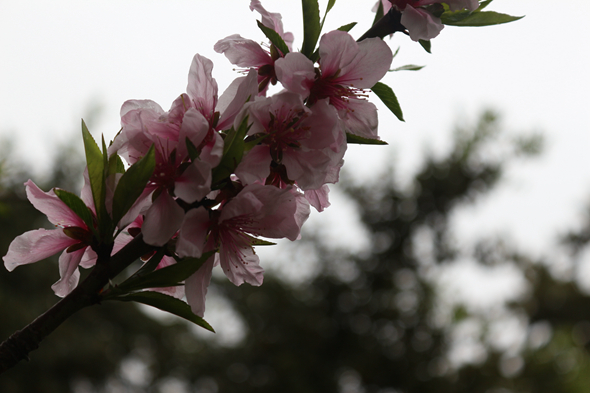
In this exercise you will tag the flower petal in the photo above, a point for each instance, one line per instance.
(197, 284)
(162, 220)
(242, 51)
(240, 263)
(420, 23)
(57, 212)
(193, 233)
(255, 165)
(68, 271)
(296, 73)
(202, 88)
(34, 246)
(194, 183)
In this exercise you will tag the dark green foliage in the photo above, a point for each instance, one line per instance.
(371, 328)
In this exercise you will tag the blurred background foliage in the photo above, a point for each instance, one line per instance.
(376, 321)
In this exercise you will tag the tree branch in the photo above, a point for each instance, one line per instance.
(18, 346)
(389, 24)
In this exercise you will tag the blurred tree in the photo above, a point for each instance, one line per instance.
(364, 323)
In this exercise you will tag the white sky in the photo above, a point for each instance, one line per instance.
(59, 56)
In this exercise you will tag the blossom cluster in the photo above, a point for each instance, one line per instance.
(213, 175)
(294, 146)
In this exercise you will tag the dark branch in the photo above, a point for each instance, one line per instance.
(389, 24)
(18, 346)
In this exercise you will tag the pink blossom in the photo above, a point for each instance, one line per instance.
(308, 143)
(71, 235)
(347, 68)
(247, 53)
(257, 210)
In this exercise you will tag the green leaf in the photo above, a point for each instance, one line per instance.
(483, 5)
(167, 276)
(274, 38)
(330, 5)
(386, 94)
(132, 184)
(193, 152)
(96, 170)
(233, 150)
(166, 303)
(476, 19)
(77, 205)
(347, 27)
(426, 45)
(359, 140)
(115, 165)
(407, 67)
(311, 26)
(379, 13)
(254, 241)
(396, 51)
(328, 8)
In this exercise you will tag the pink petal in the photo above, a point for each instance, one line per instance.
(360, 65)
(272, 20)
(360, 118)
(243, 52)
(202, 88)
(68, 271)
(296, 73)
(255, 165)
(240, 264)
(196, 286)
(318, 198)
(235, 96)
(36, 245)
(307, 168)
(57, 212)
(194, 127)
(162, 220)
(420, 24)
(212, 151)
(194, 183)
(193, 233)
(89, 258)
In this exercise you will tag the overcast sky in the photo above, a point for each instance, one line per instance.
(59, 57)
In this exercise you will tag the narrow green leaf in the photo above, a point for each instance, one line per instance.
(132, 184)
(311, 26)
(254, 241)
(233, 150)
(95, 163)
(407, 67)
(77, 205)
(115, 165)
(386, 94)
(274, 38)
(426, 45)
(248, 145)
(150, 265)
(330, 5)
(359, 140)
(166, 303)
(396, 51)
(328, 8)
(347, 27)
(476, 19)
(193, 152)
(483, 5)
(167, 276)
(379, 13)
